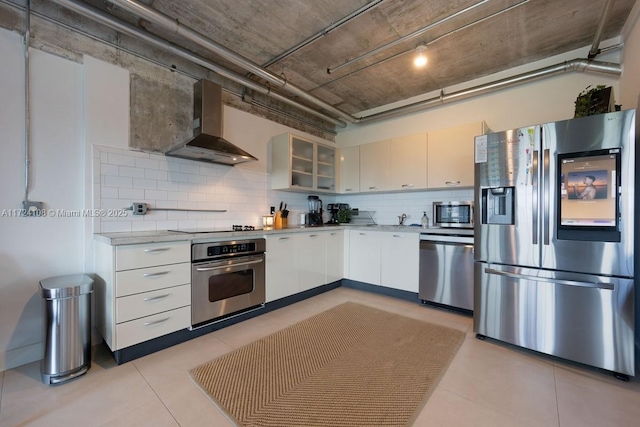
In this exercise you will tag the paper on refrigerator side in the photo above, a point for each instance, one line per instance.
(481, 149)
(527, 142)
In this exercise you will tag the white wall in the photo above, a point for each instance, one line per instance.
(630, 81)
(32, 249)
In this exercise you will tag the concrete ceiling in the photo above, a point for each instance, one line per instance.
(261, 30)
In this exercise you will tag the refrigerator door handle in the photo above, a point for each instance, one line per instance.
(596, 285)
(536, 202)
(545, 197)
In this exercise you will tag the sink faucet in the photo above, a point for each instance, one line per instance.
(401, 219)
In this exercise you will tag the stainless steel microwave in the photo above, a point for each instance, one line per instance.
(453, 214)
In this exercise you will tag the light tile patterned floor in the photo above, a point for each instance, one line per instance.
(487, 384)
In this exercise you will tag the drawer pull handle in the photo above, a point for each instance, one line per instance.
(313, 236)
(363, 234)
(398, 235)
(348, 189)
(452, 182)
(407, 185)
(373, 188)
(334, 234)
(160, 273)
(156, 298)
(283, 238)
(150, 251)
(156, 322)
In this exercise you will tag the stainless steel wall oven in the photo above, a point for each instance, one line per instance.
(226, 277)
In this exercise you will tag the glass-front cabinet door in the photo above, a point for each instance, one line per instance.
(326, 168)
(299, 164)
(302, 160)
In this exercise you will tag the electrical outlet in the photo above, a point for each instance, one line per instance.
(139, 208)
(30, 208)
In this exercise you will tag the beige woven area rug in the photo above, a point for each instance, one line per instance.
(352, 365)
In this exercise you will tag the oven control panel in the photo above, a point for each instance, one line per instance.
(230, 249)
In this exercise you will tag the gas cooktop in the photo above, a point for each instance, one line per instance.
(217, 230)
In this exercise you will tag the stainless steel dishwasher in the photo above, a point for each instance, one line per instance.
(446, 270)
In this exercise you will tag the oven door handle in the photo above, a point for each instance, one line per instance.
(220, 266)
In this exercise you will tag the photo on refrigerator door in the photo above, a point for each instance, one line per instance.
(588, 189)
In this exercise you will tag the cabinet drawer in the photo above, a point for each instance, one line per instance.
(150, 279)
(146, 328)
(139, 256)
(148, 303)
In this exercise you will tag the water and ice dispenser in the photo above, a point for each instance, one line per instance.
(498, 205)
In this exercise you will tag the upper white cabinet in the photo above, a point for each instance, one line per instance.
(349, 170)
(408, 162)
(301, 164)
(450, 161)
(375, 168)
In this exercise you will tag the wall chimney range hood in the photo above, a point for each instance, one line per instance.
(207, 144)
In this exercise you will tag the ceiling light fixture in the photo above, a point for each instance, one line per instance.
(420, 59)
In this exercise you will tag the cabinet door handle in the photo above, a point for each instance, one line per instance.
(283, 238)
(373, 188)
(407, 185)
(156, 298)
(160, 273)
(156, 322)
(453, 183)
(149, 251)
(313, 236)
(334, 234)
(398, 235)
(348, 189)
(363, 234)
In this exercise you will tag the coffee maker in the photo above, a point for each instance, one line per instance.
(333, 209)
(314, 217)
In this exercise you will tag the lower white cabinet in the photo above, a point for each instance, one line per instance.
(142, 291)
(400, 261)
(364, 256)
(389, 259)
(296, 262)
(335, 255)
(312, 260)
(281, 268)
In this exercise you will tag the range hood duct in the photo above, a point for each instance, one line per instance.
(207, 143)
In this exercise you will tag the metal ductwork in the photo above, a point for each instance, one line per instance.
(339, 116)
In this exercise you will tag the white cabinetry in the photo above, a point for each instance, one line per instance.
(312, 260)
(408, 162)
(399, 261)
(335, 255)
(364, 256)
(389, 259)
(349, 170)
(282, 268)
(450, 153)
(142, 291)
(375, 166)
(300, 164)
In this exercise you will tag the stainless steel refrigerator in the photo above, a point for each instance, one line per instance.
(554, 239)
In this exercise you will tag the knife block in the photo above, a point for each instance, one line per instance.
(280, 222)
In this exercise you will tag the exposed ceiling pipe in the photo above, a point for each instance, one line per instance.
(595, 47)
(573, 65)
(27, 116)
(166, 22)
(583, 65)
(131, 30)
(407, 37)
(366, 8)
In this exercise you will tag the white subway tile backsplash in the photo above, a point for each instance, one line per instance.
(146, 163)
(130, 172)
(122, 177)
(118, 181)
(131, 193)
(156, 194)
(155, 174)
(120, 160)
(147, 184)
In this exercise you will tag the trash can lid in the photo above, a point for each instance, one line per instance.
(71, 285)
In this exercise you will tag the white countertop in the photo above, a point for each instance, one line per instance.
(142, 237)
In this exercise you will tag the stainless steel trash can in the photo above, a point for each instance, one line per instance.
(67, 309)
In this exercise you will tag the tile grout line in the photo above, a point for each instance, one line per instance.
(154, 392)
(555, 386)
